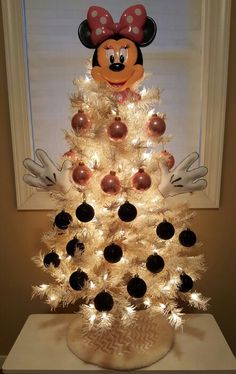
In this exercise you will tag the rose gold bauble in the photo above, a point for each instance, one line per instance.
(71, 155)
(168, 159)
(110, 183)
(81, 174)
(156, 126)
(117, 130)
(80, 122)
(141, 180)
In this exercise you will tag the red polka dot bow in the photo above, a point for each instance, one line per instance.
(130, 26)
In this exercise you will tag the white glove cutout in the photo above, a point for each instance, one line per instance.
(181, 179)
(47, 175)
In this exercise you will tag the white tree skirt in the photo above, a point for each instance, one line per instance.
(141, 344)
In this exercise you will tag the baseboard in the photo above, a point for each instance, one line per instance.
(2, 359)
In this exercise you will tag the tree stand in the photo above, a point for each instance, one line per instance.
(141, 344)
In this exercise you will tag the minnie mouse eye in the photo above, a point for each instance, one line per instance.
(123, 54)
(110, 55)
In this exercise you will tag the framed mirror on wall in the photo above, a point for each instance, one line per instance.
(188, 61)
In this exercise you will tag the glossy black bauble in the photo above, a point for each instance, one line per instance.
(77, 280)
(136, 287)
(127, 212)
(85, 212)
(62, 220)
(113, 253)
(155, 263)
(51, 258)
(186, 283)
(73, 245)
(165, 230)
(187, 238)
(103, 302)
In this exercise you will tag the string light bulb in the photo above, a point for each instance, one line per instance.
(44, 286)
(105, 276)
(147, 302)
(130, 309)
(104, 316)
(195, 296)
(92, 318)
(143, 91)
(151, 112)
(92, 285)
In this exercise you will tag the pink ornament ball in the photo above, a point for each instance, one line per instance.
(81, 174)
(141, 181)
(168, 158)
(110, 184)
(117, 130)
(80, 122)
(71, 155)
(156, 126)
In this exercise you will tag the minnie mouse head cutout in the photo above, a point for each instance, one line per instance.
(117, 59)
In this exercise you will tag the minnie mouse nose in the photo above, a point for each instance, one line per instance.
(116, 67)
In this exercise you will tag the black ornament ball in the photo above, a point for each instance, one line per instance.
(103, 302)
(136, 287)
(113, 253)
(165, 230)
(85, 212)
(51, 258)
(155, 263)
(186, 283)
(62, 220)
(73, 245)
(77, 280)
(127, 212)
(187, 238)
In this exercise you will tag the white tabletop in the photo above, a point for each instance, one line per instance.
(41, 348)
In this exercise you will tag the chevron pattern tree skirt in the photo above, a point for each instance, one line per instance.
(146, 341)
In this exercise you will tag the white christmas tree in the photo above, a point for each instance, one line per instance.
(118, 243)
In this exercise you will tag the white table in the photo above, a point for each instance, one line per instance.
(41, 348)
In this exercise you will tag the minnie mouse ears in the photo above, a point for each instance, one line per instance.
(134, 24)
